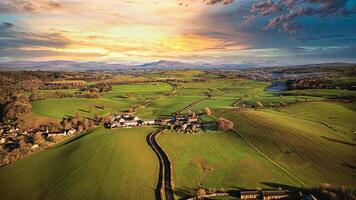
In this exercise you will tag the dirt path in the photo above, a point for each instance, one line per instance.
(165, 174)
(174, 88)
(191, 105)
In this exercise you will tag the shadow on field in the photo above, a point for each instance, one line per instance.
(353, 167)
(82, 110)
(184, 193)
(338, 141)
(74, 139)
(285, 187)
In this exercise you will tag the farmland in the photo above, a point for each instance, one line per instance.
(218, 159)
(296, 139)
(119, 99)
(99, 165)
(305, 148)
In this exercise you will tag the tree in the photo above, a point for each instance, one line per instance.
(225, 124)
(200, 193)
(207, 111)
(78, 116)
(86, 124)
(38, 138)
(259, 105)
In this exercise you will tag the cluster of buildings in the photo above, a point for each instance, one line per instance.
(127, 121)
(185, 124)
(264, 194)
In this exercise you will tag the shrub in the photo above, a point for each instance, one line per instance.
(200, 193)
(259, 104)
(329, 192)
(207, 111)
(225, 124)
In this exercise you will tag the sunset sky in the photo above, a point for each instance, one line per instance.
(223, 31)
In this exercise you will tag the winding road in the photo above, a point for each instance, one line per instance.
(165, 173)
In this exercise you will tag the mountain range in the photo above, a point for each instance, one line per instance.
(62, 65)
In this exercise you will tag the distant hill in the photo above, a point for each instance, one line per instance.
(62, 65)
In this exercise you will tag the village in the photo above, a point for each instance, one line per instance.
(181, 124)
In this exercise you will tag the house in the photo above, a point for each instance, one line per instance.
(54, 134)
(149, 122)
(131, 123)
(250, 195)
(34, 147)
(275, 194)
(264, 195)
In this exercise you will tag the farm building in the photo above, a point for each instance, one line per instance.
(249, 195)
(184, 124)
(126, 121)
(275, 194)
(264, 195)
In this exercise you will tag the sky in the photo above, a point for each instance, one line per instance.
(213, 31)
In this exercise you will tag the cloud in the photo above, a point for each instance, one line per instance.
(212, 2)
(287, 11)
(12, 36)
(8, 25)
(26, 6)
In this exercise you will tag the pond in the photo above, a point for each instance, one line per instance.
(277, 86)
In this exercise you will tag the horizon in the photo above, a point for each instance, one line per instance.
(264, 33)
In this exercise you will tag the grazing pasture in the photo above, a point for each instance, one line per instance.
(104, 164)
(336, 115)
(59, 108)
(309, 150)
(218, 159)
(166, 106)
(118, 100)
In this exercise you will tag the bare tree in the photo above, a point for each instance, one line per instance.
(207, 111)
(225, 124)
(259, 105)
(200, 193)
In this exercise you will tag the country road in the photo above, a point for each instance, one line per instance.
(165, 173)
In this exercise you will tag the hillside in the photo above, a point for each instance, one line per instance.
(307, 149)
(218, 159)
(100, 165)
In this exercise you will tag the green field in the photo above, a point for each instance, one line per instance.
(312, 139)
(335, 115)
(308, 149)
(218, 159)
(117, 100)
(105, 164)
(166, 106)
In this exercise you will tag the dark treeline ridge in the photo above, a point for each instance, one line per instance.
(321, 83)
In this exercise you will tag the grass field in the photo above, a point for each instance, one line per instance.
(312, 139)
(309, 150)
(117, 100)
(333, 114)
(59, 108)
(218, 159)
(166, 106)
(105, 164)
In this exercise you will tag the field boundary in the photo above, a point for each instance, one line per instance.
(191, 105)
(268, 158)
